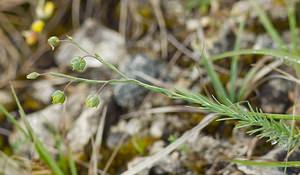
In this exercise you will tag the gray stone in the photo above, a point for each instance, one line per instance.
(274, 96)
(129, 95)
(5, 98)
(87, 123)
(45, 123)
(263, 41)
(157, 127)
(95, 38)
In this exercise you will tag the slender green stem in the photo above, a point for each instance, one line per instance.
(12, 119)
(266, 22)
(97, 57)
(267, 164)
(72, 164)
(279, 54)
(234, 64)
(242, 92)
(22, 114)
(282, 116)
(41, 150)
(293, 26)
(112, 67)
(194, 98)
(75, 79)
(216, 82)
(70, 39)
(293, 32)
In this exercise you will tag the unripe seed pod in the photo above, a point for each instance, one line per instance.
(32, 75)
(92, 101)
(78, 64)
(53, 41)
(58, 97)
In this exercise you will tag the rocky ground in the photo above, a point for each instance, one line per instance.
(151, 41)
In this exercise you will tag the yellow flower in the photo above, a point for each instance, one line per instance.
(38, 26)
(49, 9)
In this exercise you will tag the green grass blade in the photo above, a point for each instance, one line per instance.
(266, 22)
(41, 150)
(293, 26)
(279, 54)
(268, 163)
(241, 95)
(22, 114)
(289, 58)
(72, 164)
(294, 43)
(293, 31)
(282, 116)
(46, 157)
(234, 64)
(12, 119)
(216, 82)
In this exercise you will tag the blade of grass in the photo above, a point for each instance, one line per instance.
(215, 79)
(280, 116)
(72, 164)
(266, 22)
(41, 150)
(234, 64)
(293, 32)
(293, 26)
(12, 119)
(253, 76)
(294, 41)
(267, 163)
(278, 54)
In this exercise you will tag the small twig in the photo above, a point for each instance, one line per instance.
(123, 17)
(162, 26)
(76, 13)
(112, 157)
(89, 8)
(182, 48)
(98, 143)
(149, 161)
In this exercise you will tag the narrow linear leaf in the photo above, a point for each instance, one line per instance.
(12, 119)
(72, 164)
(278, 54)
(293, 25)
(267, 163)
(266, 22)
(234, 64)
(41, 150)
(216, 82)
(293, 31)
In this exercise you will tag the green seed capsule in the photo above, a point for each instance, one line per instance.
(78, 64)
(53, 41)
(32, 75)
(92, 101)
(58, 97)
